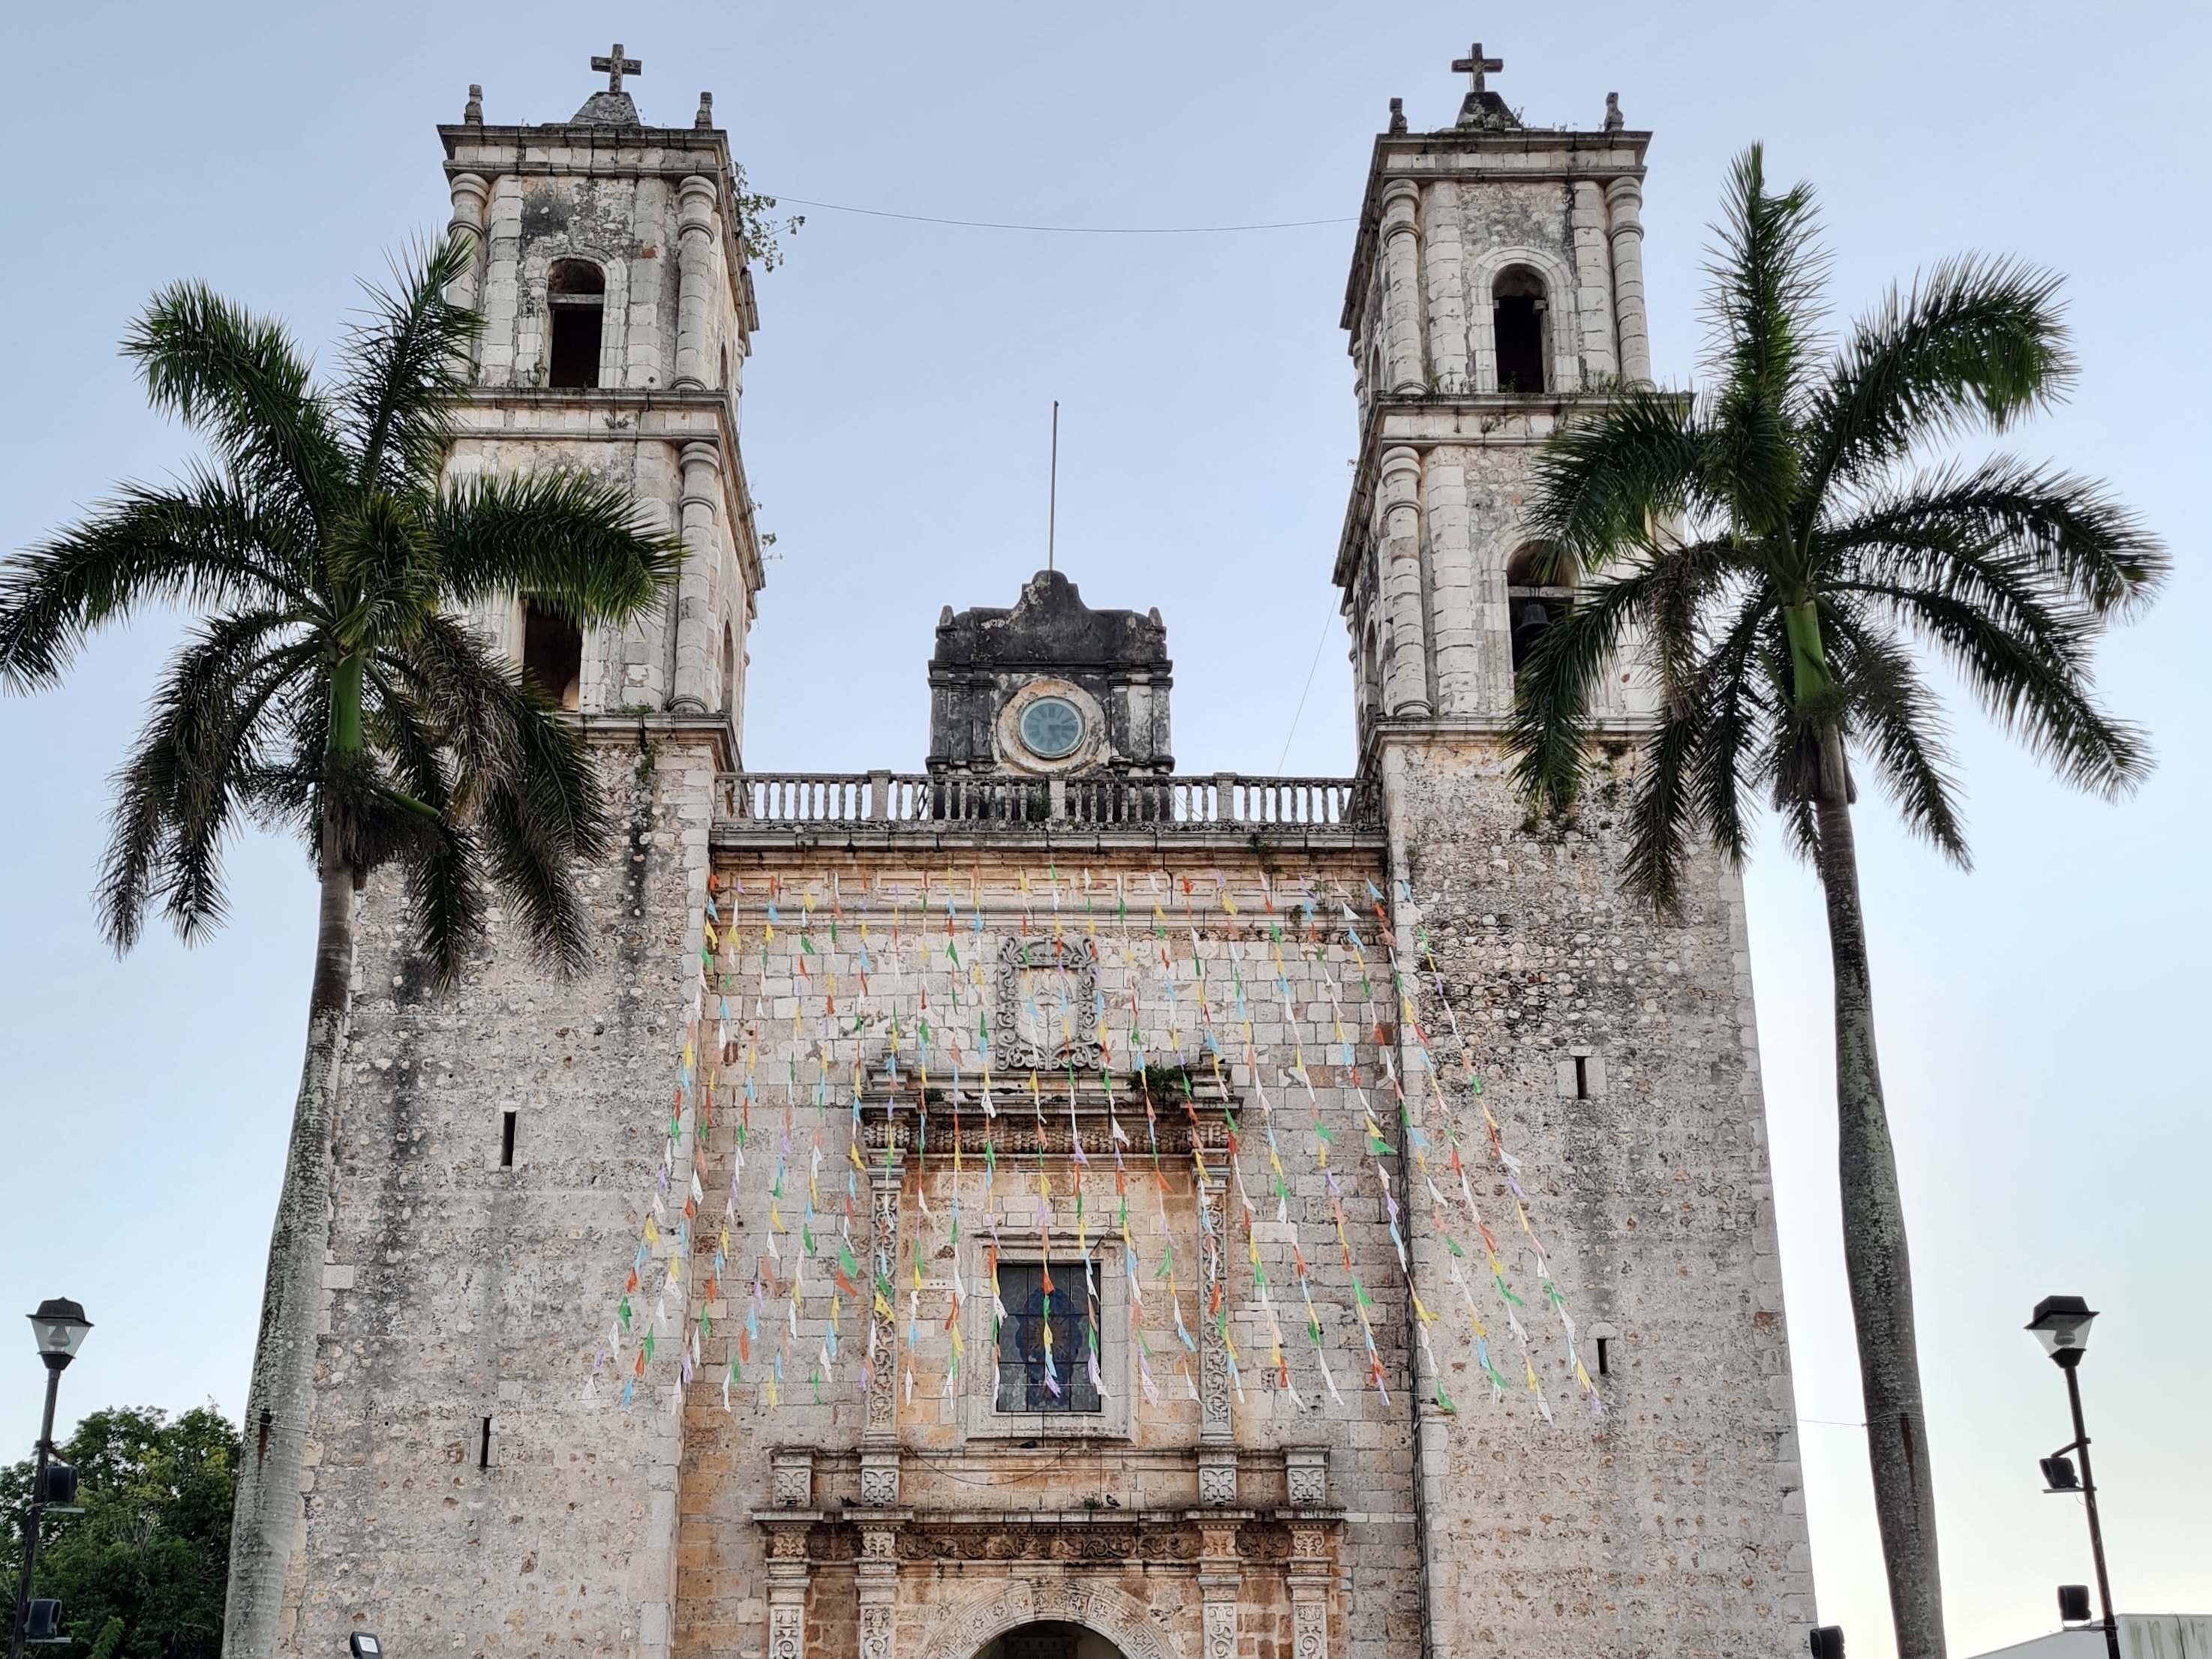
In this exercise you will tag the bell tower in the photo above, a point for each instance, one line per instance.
(1495, 291)
(1497, 281)
(609, 265)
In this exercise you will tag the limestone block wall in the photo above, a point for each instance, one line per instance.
(462, 1293)
(1675, 1524)
(1030, 1500)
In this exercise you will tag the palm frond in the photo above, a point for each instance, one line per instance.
(1896, 722)
(1790, 758)
(538, 822)
(1601, 484)
(1732, 687)
(206, 544)
(2039, 695)
(446, 897)
(1977, 340)
(407, 365)
(577, 541)
(1552, 694)
(239, 378)
(1763, 294)
(466, 692)
(178, 794)
(1663, 813)
(2068, 535)
(385, 563)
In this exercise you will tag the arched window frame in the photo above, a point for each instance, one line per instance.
(1562, 337)
(568, 308)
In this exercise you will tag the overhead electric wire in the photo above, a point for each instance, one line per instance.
(1059, 230)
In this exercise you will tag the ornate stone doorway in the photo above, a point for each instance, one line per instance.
(1049, 1641)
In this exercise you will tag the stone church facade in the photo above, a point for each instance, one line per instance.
(1045, 1206)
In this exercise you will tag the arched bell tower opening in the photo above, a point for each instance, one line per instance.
(1520, 311)
(576, 295)
(1538, 589)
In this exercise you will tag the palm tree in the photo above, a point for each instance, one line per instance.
(1782, 560)
(329, 687)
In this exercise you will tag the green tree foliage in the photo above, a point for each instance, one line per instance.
(140, 1573)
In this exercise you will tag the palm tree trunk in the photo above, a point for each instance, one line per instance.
(1874, 1257)
(266, 1517)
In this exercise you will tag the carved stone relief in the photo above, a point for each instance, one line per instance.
(1046, 1016)
(786, 1624)
(791, 1479)
(883, 1333)
(1213, 1421)
(1119, 1617)
(1216, 1478)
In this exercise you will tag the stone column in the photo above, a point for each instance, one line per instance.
(1624, 200)
(788, 1571)
(1406, 662)
(1307, 1576)
(695, 645)
(875, 1575)
(472, 203)
(1593, 298)
(1452, 598)
(1448, 356)
(694, 276)
(1219, 1578)
(1401, 298)
(879, 1446)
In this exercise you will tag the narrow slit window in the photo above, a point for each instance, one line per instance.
(1582, 1086)
(484, 1446)
(1518, 315)
(576, 296)
(552, 655)
(507, 1140)
(1050, 1335)
(1604, 1357)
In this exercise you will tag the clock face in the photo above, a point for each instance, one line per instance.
(1052, 727)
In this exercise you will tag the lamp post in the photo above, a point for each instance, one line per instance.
(2061, 1323)
(59, 1325)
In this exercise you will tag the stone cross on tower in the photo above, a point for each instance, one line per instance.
(615, 66)
(1474, 64)
(1481, 107)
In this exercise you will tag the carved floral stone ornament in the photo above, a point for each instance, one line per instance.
(1047, 1011)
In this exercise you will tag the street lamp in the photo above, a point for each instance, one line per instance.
(60, 1327)
(2061, 1323)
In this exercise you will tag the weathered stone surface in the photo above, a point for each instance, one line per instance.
(474, 1489)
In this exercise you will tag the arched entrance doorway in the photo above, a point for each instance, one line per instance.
(1050, 1640)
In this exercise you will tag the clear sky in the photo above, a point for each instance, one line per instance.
(2049, 1102)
